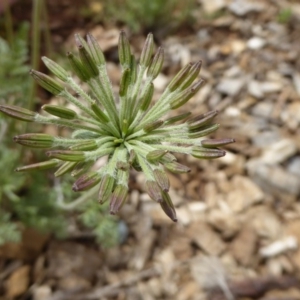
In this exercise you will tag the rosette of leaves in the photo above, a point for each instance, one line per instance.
(127, 128)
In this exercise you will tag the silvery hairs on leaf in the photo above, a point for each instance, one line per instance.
(135, 133)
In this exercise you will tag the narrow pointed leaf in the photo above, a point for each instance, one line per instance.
(168, 207)
(176, 167)
(48, 83)
(212, 143)
(65, 168)
(86, 181)
(87, 62)
(147, 51)
(39, 166)
(19, 113)
(59, 111)
(154, 190)
(147, 97)
(118, 198)
(106, 187)
(152, 126)
(162, 179)
(35, 140)
(178, 118)
(67, 155)
(156, 64)
(124, 50)
(95, 50)
(179, 77)
(103, 118)
(78, 68)
(55, 68)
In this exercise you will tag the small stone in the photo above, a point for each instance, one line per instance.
(180, 244)
(229, 159)
(134, 198)
(294, 166)
(156, 213)
(192, 189)
(230, 86)
(106, 38)
(233, 72)
(243, 7)
(265, 222)
(165, 259)
(42, 292)
(293, 229)
(279, 246)
(176, 198)
(254, 89)
(275, 76)
(144, 197)
(296, 79)
(155, 287)
(279, 152)
(226, 223)
(286, 70)
(256, 43)
(203, 94)
(265, 138)
(184, 215)
(140, 178)
(212, 6)
(243, 193)
(206, 238)
(197, 210)
(238, 46)
(175, 182)
(263, 109)
(203, 35)
(209, 273)
(244, 245)
(28, 249)
(291, 115)
(18, 282)
(73, 283)
(232, 111)
(273, 179)
(196, 206)
(160, 82)
(143, 250)
(279, 265)
(235, 164)
(271, 87)
(223, 21)
(188, 291)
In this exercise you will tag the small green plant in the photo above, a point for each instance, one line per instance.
(14, 82)
(13, 68)
(103, 226)
(26, 209)
(9, 231)
(285, 15)
(152, 15)
(126, 129)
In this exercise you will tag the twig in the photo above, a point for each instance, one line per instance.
(111, 289)
(72, 205)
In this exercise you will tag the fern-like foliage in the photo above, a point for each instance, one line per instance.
(14, 83)
(9, 231)
(104, 226)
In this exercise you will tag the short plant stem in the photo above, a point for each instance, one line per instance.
(79, 201)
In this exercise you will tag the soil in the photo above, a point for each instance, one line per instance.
(238, 229)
